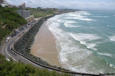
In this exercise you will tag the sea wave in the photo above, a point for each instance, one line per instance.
(101, 16)
(79, 16)
(111, 65)
(72, 54)
(69, 23)
(112, 38)
(105, 54)
(84, 38)
(69, 51)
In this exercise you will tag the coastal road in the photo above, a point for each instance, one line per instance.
(8, 52)
(6, 49)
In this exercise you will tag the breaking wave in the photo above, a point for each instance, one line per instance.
(78, 16)
(84, 38)
(76, 48)
(70, 24)
(105, 54)
(112, 38)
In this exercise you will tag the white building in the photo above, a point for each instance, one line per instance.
(23, 12)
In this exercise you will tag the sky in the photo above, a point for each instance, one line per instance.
(71, 4)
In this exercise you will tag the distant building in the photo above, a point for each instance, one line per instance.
(23, 12)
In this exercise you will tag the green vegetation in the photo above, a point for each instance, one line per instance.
(40, 12)
(43, 12)
(9, 20)
(10, 68)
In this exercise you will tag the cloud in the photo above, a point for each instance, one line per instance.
(75, 4)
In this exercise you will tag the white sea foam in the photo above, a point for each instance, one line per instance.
(84, 38)
(101, 16)
(111, 65)
(92, 46)
(69, 51)
(85, 13)
(70, 24)
(105, 54)
(73, 56)
(79, 16)
(112, 38)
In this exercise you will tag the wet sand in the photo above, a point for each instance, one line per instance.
(44, 46)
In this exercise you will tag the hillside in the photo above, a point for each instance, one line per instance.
(10, 68)
(40, 12)
(9, 20)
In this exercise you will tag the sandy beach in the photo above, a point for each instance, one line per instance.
(44, 46)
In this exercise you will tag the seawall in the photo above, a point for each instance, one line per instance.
(23, 45)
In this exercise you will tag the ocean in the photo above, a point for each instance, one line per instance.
(85, 40)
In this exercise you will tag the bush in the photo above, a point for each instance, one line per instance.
(10, 68)
(9, 20)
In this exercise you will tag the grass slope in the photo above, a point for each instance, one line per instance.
(40, 12)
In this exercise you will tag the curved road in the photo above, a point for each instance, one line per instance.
(9, 54)
(8, 45)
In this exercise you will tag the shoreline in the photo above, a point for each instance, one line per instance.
(22, 48)
(36, 58)
(44, 46)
